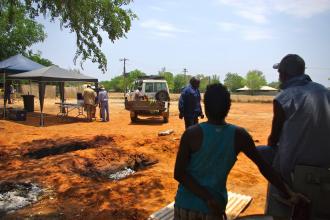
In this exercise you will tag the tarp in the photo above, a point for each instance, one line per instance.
(18, 64)
(53, 74)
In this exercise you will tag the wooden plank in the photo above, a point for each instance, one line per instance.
(236, 204)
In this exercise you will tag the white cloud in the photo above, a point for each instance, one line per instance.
(162, 28)
(302, 8)
(258, 11)
(157, 8)
(247, 32)
(253, 10)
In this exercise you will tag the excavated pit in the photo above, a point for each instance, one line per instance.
(52, 148)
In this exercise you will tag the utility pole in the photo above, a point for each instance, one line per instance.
(124, 72)
(185, 71)
(124, 60)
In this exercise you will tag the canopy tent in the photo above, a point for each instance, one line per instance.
(245, 88)
(16, 64)
(267, 88)
(52, 74)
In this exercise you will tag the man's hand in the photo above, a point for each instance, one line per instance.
(215, 207)
(202, 116)
(293, 199)
(181, 115)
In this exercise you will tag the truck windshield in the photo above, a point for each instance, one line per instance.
(160, 86)
(149, 87)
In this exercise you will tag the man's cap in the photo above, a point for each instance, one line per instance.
(291, 63)
(290, 59)
(101, 87)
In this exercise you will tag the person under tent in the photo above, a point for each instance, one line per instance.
(89, 102)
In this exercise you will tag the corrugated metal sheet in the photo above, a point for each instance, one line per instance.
(236, 204)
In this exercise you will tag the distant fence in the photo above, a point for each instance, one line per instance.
(50, 91)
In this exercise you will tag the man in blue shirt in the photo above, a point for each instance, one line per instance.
(190, 103)
(104, 107)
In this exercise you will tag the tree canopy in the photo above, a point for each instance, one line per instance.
(87, 19)
(233, 81)
(168, 76)
(17, 31)
(36, 57)
(255, 79)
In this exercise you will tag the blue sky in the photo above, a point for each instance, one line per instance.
(210, 37)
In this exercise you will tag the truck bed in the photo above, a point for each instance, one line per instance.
(144, 105)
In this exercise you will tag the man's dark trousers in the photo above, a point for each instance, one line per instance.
(190, 121)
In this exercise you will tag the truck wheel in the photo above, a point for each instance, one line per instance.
(162, 96)
(165, 119)
(134, 117)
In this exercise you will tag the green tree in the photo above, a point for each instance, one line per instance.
(119, 83)
(275, 84)
(233, 81)
(36, 57)
(134, 75)
(168, 76)
(116, 84)
(87, 19)
(180, 81)
(214, 79)
(255, 79)
(17, 31)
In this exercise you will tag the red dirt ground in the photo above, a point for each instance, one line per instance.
(75, 188)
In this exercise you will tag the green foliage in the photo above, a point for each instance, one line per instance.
(116, 84)
(180, 81)
(17, 31)
(215, 79)
(36, 57)
(87, 19)
(119, 83)
(169, 79)
(233, 81)
(275, 85)
(134, 75)
(206, 80)
(255, 79)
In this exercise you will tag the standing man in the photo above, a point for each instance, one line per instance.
(104, 106)
(190, 103)
(300, 129)
(89, 101)
(9, 89)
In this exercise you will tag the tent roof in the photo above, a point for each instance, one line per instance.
(18, 64)
(54, 74)
(245, 88)
(267, 88)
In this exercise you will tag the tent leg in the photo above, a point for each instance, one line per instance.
(30, 88)
(4, 95)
